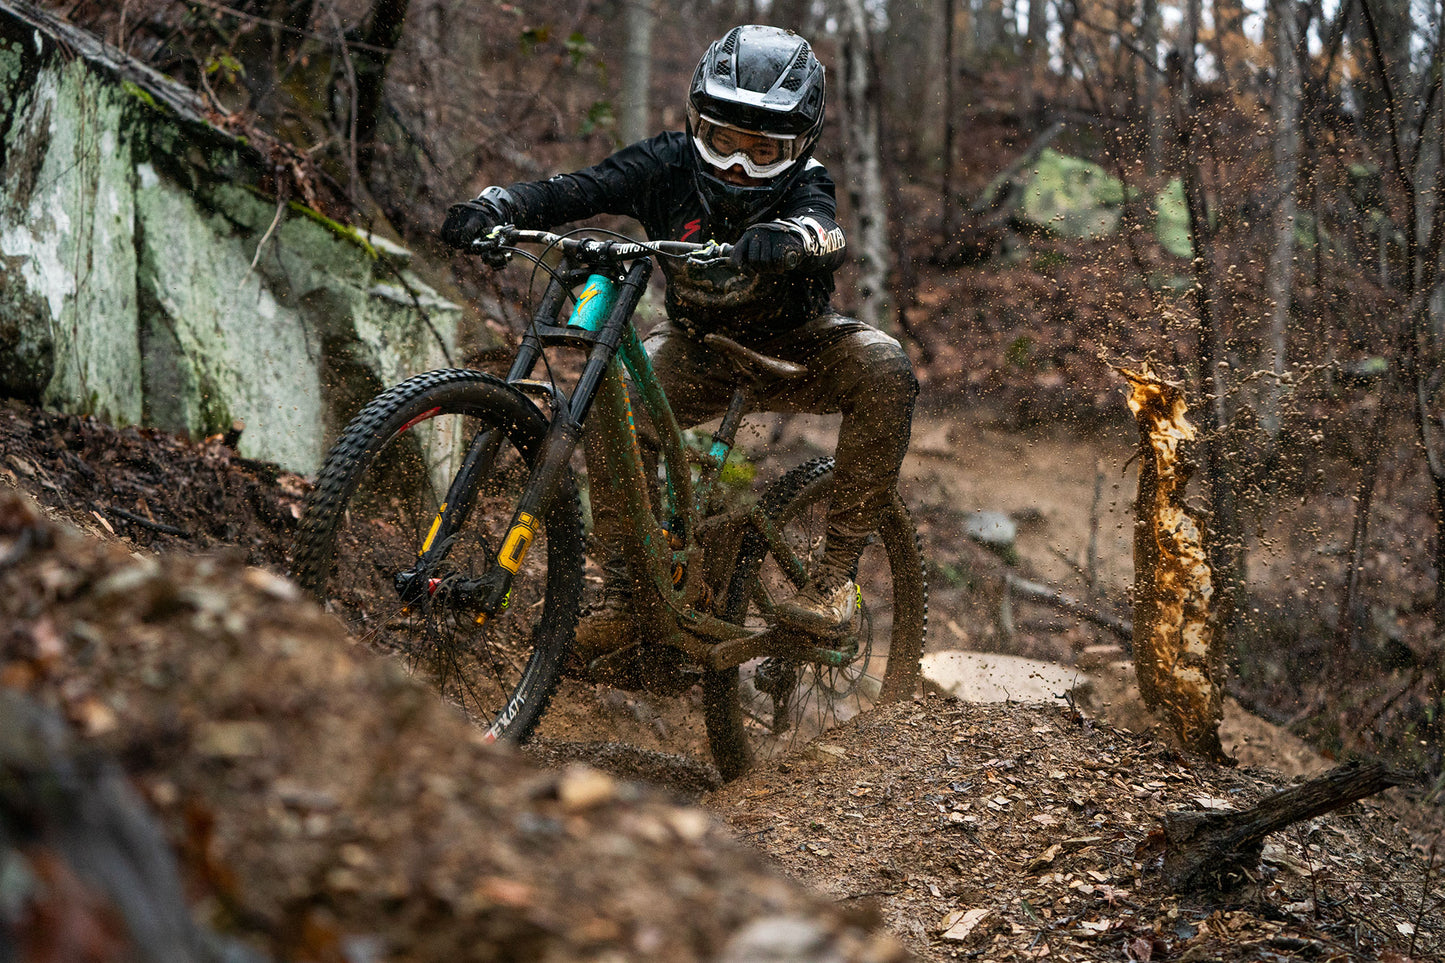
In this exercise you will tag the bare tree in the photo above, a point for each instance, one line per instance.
(948, 205)
(866, 191)
(1036, 50)
(633, 120)
(378, 40)
(1149, 50)
(1230, 42)
(1226, 548)
(990, 32)
(1290, 21)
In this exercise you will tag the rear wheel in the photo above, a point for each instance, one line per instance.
(371, 512)
(769, 705)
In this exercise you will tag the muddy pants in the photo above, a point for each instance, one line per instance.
(853, 368)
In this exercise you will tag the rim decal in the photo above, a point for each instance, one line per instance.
(418, 419)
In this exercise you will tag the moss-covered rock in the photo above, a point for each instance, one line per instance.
(146, 277)
(1071, 196)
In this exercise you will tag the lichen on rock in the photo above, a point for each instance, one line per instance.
(148, 276)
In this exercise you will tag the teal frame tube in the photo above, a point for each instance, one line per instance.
(678, 490)
(594, 303)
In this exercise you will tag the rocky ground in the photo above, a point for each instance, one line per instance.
(323, 806)
(1030, 832)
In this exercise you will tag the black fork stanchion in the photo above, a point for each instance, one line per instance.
(480, 459)
(561, 441)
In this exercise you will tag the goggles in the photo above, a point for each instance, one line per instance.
(760, 155)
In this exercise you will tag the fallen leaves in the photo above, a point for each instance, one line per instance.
(960, 924)
(961, 835)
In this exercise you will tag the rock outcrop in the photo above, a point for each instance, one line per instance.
(148, 277)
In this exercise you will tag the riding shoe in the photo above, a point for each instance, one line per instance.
(825, 605)
(611, 649)
(608, 625)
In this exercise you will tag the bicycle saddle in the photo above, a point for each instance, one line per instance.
(750, 363)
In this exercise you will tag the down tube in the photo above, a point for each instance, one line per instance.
(620, 467)
(654, 402)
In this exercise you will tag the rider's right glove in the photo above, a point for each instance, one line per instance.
(472, 219)
(769, 248)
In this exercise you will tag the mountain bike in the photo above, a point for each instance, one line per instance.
(446, 525)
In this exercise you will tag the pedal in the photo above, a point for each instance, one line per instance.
(654, 669)
(620, 668)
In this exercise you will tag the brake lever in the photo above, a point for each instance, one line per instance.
(490, 247)
(714, 253)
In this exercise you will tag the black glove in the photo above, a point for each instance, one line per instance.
(768, 248)
(472, 219)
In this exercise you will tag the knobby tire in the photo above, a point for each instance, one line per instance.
(368, 517)
(744, 724)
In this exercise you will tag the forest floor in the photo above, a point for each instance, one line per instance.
(324, 808)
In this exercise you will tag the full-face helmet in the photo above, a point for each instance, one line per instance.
(754, 113)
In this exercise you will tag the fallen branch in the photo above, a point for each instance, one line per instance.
(1035, 592)
(144, 522)
(1204, 849)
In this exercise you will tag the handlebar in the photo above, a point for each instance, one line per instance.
(592, 250)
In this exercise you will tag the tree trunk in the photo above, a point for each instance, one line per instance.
(636, 71)
(948, 206)
(1178, 638)
(1386, 23)
(911, 54)
(378, 42)
(1360, 526)
(793, 15)
(1226, 548)
(1230, 44)
(989, 31)
(866, 191)
(1289, 27)
(1036, 51)
(1153, 116)
(1182, 57)
(1429, 389)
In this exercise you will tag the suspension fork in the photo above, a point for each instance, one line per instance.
(480, 460)
(563, 436)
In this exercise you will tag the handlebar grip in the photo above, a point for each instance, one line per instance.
(792, 259)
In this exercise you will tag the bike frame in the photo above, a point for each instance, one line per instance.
(666, 558)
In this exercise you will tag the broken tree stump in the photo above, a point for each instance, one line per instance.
(1178, 644)
(1204, 849)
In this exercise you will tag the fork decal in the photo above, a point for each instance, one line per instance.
(519, 539)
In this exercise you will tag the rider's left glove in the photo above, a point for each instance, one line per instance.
(768, 248)
(472, 219)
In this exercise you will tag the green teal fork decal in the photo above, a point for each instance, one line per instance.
(594, 303)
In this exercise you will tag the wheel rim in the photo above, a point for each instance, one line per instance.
(789, 701)
(386, 523)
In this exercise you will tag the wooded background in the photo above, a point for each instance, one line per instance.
(1304, 143)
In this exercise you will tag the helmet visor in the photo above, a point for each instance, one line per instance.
(761, 155)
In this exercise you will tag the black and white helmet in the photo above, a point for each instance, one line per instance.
(754, 114)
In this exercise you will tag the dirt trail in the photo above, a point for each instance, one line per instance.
(925, 810)
(1027, 833)
(1045, 479)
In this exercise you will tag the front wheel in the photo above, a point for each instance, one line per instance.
(373, 510)
(769, 705)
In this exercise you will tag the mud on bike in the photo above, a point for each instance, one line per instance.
(446, 525)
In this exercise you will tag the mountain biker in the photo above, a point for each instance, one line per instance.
(742, 173)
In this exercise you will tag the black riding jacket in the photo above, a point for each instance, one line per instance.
(652, 181)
